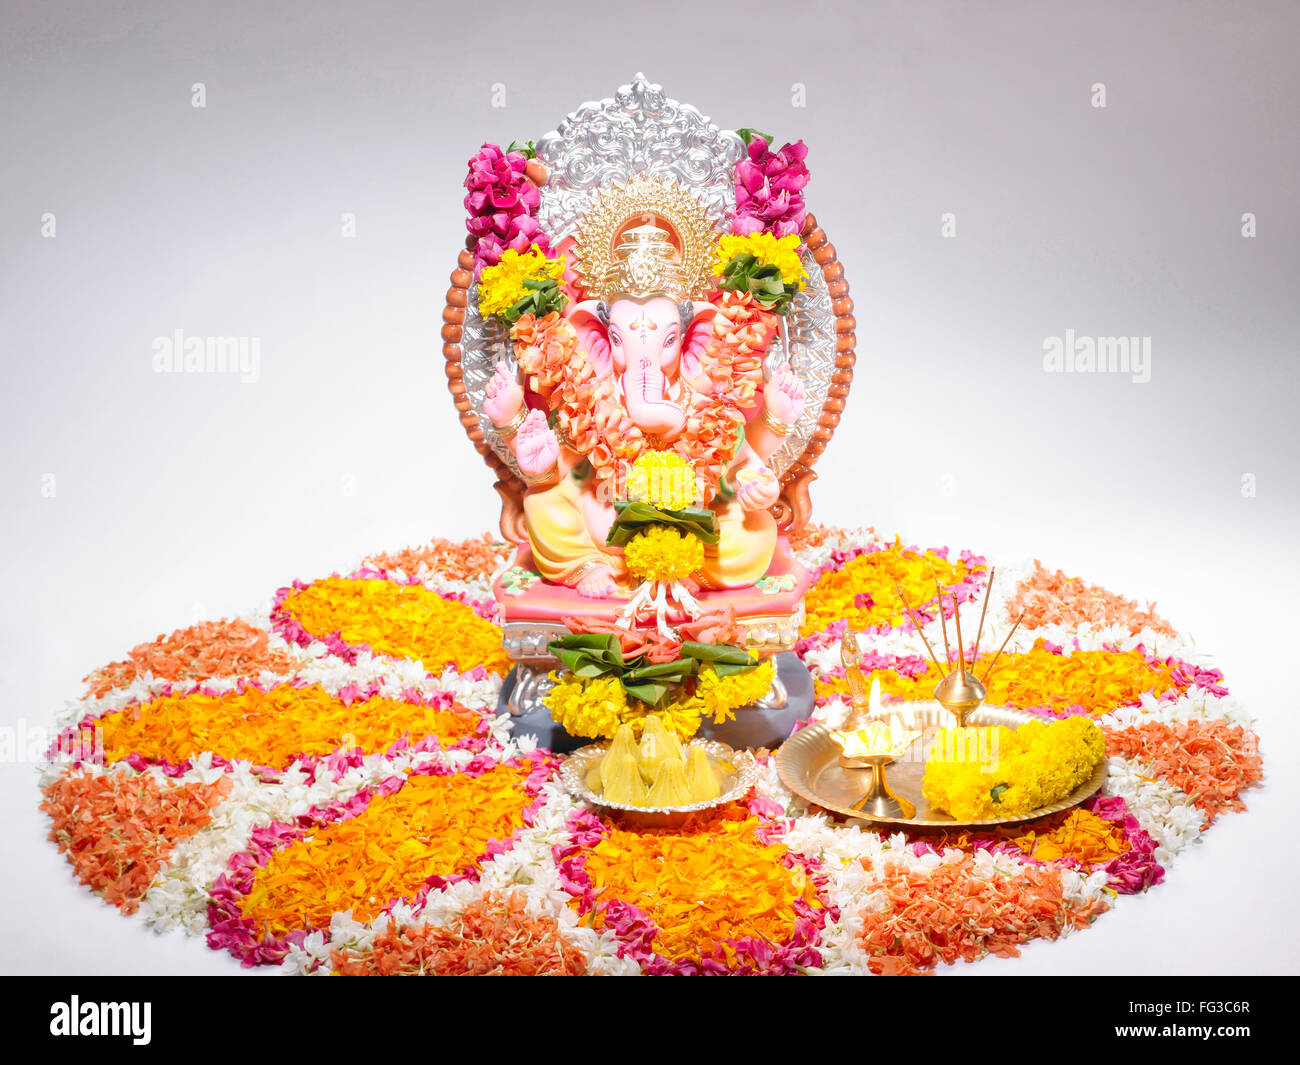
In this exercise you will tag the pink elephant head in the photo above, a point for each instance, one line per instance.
(648, 343)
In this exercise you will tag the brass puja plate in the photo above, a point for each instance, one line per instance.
(809, 765)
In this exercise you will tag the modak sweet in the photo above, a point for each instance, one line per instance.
(657, 771)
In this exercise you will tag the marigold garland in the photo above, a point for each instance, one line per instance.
(974, 778)
(401, 620)
(595, 708)
(781, 252)
(505, 283)
(118, 829)
(663, 479)
(209, 649)
(492, 936)
(435, 826)
(272, 727)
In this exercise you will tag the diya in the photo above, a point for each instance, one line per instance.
(650, 341)
(845, 771)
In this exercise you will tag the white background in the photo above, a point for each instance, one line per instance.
(185, 497)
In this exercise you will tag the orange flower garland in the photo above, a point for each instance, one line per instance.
(492, 936)
(271, 728)
(208, 649)
(433, 826)
(118, 829)
(862, 591)
(401, 620)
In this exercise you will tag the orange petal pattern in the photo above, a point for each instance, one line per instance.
(1212, 761)
(492, 936)
(272, 727)
(1054, 599)
(433, 826)
(208, 649)
(401, 620)
(118, 829)
(1097, 681)
(712, 881)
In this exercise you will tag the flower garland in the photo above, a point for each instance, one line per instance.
(521, 283)
(502, 203)
(1029, 767)
(596, 707)
(769, 188)
(768, 268)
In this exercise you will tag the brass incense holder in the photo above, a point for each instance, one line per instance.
(960, 692)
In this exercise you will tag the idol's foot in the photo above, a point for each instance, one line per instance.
(598, 584)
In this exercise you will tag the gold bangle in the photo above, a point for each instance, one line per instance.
(779, 428)
(514, 424)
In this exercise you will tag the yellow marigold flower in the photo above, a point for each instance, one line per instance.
(781, 252)
(501, 286)
(661, 553)
(592, 708)
(1027, 768)
(663, 479)
(722, 696)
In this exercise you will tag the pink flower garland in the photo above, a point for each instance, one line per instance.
(502, 204)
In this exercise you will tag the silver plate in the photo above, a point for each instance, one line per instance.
(573, 775)
(809, 766)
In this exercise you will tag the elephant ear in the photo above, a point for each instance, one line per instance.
(695, 342)
(593, 335)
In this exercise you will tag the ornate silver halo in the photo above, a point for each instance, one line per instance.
(642, 131)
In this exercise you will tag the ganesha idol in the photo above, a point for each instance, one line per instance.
(651, 366)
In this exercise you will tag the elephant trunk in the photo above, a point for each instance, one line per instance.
(643, 391)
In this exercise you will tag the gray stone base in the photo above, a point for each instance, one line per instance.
(766, 724)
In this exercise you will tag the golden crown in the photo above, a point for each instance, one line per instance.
(668, 254)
